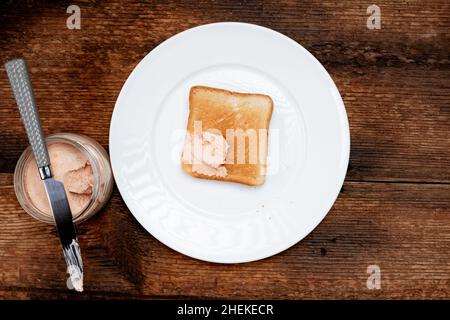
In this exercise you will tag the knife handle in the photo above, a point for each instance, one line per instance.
(20, 82)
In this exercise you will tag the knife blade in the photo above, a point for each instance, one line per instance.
(66, 230)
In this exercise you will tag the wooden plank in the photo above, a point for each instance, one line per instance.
(404, 228)
(413, 32)
(399, 124)
(399, 120)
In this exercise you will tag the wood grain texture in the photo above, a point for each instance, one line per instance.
(399, 74)
(394, 209)
(404, 228)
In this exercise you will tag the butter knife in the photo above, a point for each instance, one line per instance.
(23, 92)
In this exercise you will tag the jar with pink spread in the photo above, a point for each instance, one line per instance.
(80, 163)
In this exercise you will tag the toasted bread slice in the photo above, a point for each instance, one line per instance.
(233, 114)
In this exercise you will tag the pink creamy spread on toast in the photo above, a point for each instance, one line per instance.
(206, 152)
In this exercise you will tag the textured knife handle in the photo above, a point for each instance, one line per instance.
(23, 92)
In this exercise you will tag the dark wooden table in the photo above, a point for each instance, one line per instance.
(394, 208)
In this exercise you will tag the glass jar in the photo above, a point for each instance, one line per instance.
(102, 181)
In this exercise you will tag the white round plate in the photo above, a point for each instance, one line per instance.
(218, 221)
